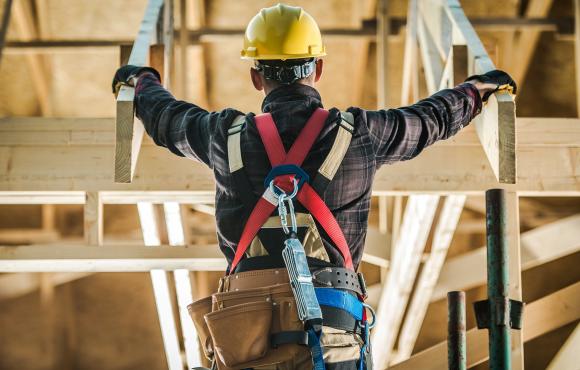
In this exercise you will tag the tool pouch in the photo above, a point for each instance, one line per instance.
(241, 323)
(240, 333)
(197, 311)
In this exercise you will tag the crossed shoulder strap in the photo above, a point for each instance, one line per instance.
(327, 170)
(308, 195)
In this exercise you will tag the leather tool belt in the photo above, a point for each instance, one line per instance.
(261, 307)
(327, 277)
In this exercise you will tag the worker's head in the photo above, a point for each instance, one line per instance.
(285, 44)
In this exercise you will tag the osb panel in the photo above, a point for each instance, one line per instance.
(89, 19)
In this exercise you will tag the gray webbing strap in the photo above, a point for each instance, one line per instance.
(234, 148)
(339, 147)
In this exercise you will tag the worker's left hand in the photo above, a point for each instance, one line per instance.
(493, 81)
(126, 75)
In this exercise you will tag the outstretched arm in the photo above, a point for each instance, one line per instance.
(401, 134)
(184, 128)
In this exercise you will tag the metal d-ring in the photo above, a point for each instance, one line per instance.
(373, 315)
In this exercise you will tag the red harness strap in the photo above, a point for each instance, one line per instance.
(307, 196)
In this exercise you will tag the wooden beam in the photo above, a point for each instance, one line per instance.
(27, 236)
(567, 356)
(410, 62)
(446, 225)
(541, 316)
(496, 124)
(107, 197)
(129, 132)
(527, 40)
(183, 288)
(75, 155)
(26, 29)
(163, 301)
(4, 25)
(538, 246)
(419, 214)
(117, 258)
(19, 284)
(93, 218)
(382, 52)
(432, 63)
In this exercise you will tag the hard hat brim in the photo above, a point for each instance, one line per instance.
(282, 56)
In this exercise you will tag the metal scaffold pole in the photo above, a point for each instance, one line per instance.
(456, 335)
(498, 313)
(498, 280)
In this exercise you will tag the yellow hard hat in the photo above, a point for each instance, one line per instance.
(282, 32)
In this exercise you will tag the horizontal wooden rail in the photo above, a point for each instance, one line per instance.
(443, 29)
(129, 131)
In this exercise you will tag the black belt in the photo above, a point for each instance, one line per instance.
(323, 273)
(340, 278)
(331, 316)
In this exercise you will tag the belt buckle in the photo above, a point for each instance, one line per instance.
(363, 285)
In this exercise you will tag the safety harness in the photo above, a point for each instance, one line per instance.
(287, 181)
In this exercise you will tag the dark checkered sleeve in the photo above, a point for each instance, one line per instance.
(401, 134)
(184, 128)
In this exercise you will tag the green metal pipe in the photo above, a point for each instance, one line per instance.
(498, 281)
(456, 336)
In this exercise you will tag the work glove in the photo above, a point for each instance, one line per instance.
(497, 77)
(125, 74)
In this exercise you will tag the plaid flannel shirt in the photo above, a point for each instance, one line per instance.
(380, 137)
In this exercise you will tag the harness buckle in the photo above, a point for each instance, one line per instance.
(287, 169)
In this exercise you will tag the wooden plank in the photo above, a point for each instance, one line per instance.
(419, 214)
(26, 29)
(538, 246)
(526, 43)
(117, 258)
(4, 25)
(496, 124)
(36, 131)
(183, 288)
(81, 161)
(129, 131)
(446, 225)
(546, 170)
(163, 301)
(410, 62)
(27, 236)
(93, 218)
(432, 62)
(567, 356)
(382, 52)
(438, 25)
(541, 316)
(19, 284)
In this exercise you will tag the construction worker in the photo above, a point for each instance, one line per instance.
(293, 190)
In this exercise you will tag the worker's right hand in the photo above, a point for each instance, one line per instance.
(493, 81)
(126, 74)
